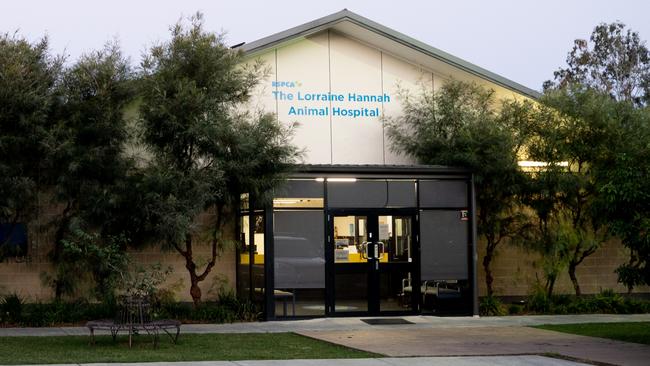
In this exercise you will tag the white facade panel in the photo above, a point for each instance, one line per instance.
(357, 129)
(303, 74)
(339, 92)
(400, 78)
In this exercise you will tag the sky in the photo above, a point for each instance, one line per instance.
(524, 41)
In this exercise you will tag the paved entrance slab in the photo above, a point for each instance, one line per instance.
(482, 341)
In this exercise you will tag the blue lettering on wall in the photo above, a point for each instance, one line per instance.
(322, 103)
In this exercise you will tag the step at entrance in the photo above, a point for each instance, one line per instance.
(386, 321)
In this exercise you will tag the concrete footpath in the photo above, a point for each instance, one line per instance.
(340, 324)
(430, 340)
(411, 361)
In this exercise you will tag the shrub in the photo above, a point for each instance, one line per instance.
(607, 302)
(538, 300)
(145, 282)
(637, 306)
(11, 308)
(226, 310)
(515, 309)
(490, 306)
(39, 315)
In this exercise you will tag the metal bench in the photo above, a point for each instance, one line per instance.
(135, 316)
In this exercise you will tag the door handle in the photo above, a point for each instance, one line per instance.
(379, 253)
(365, 249)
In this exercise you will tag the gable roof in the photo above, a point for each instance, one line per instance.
(383, 37)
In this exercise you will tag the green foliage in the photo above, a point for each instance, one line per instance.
(28, 79)
(602, 93)
(491, 306)
(605, 302)
(17, 313)
(206, 152)
(219, 312)
(606, 188)
(88, 259)
(459, 125)
(538, 300)
(615, 61)
(515, 309)
(434, 123)
(90, 133)
(552, 238)
(65, 313)
(62, 134)
(87, 162)
(570, 132)
(624, 189)
(626, 332)
(190, 348)
(11, 309)
(145, 282)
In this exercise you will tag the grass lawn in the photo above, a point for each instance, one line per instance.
(190, 347)
(626, 332)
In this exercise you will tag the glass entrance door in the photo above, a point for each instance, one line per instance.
(373, 263)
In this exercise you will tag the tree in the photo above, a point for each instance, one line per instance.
(460, 126)
(571, 129)
(28, 80)
(205, 152)
(615, 61)
(579, 138)
(623, 174)
(87, 161)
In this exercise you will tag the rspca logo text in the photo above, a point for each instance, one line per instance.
(286, 84)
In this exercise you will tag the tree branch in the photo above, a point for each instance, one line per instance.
(215, 242)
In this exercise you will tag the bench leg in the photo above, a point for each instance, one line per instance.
(174, 337)
(155, 338)
(92, 336)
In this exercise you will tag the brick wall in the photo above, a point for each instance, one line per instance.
(516, 270)
(24, 276)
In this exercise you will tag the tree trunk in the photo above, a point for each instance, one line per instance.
(195, 278)
(574, 279)
(57, 252)
(550, 283)
(195, 290)
(487, 260)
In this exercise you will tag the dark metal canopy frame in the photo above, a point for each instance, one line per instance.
(257, 282)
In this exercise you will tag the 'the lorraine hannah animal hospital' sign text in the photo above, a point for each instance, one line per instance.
(325, 104)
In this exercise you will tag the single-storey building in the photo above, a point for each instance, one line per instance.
(360, 229)
(357, 229)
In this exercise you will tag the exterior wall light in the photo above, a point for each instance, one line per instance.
(540, 164)
(341, 179)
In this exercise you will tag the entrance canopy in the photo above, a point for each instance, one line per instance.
(362, 240)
